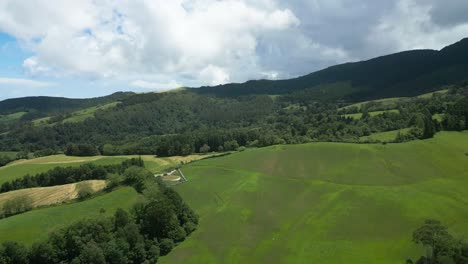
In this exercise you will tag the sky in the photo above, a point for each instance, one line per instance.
(89, 48)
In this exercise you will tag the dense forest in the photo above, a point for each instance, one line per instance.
(153, 228)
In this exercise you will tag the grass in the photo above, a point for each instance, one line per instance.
(84, 114)
(44, 196)
(386, 102)
(324, 202)
(386, 136)
(375, 113)
(11, 117)
(78, 116)
(20, 168)
(37, 224)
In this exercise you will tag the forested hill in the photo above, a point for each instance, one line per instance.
(406, 73)
(316, 107)
(47, 105)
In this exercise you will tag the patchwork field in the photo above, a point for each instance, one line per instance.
(18, 169)
(324, 202)
(43, 196)
(37, 224)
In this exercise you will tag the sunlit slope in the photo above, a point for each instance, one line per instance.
(324, 202)
(35, 225)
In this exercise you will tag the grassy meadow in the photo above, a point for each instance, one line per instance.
(387, 136)
(37, 224)
(324, 202)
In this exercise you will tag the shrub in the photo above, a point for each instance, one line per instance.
(84, 190)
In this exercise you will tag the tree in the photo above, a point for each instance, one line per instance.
(205, 148)
(17, 205)
(436, 238)
(136, 177)
(231, 145)
(92, 254)
(13, 253)
(121, 218)
(85, 190)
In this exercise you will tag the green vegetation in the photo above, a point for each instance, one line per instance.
(157, 223)
(37, 224)
(21, 168)
(82, 115)
(374, 113)
(11, 117)
(324, 202)
(441, 246)
(386, 102)
(387, 136)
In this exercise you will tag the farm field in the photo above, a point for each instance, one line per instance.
(43, 196)
(20, 168)
(324, 202)
(37, 224)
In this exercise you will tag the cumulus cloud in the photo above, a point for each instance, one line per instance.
(206, 41)
(148, 44)
(154, 86)
(15, 82)
(412, 24)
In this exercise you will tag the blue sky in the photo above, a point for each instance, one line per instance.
(92, 48)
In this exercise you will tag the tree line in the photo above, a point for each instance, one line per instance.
(152, 229)
(66, 175)
(155, 225)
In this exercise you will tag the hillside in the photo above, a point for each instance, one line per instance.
(324, 202)
(408, 73)
(46, 105)
(316, 107)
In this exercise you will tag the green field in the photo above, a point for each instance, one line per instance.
(18, 169)
(324, 202)
(374, 113)
(11, 117)
(37, 224)
(385, 136)
(393, 101)
(84, 114)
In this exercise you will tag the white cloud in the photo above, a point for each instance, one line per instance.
(410, 25)
(115, 38)
(13, 82)
(156, 86)
(153, 44)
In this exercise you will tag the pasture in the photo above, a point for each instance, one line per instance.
(386, 136)
(37, 224)
(324, 202)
